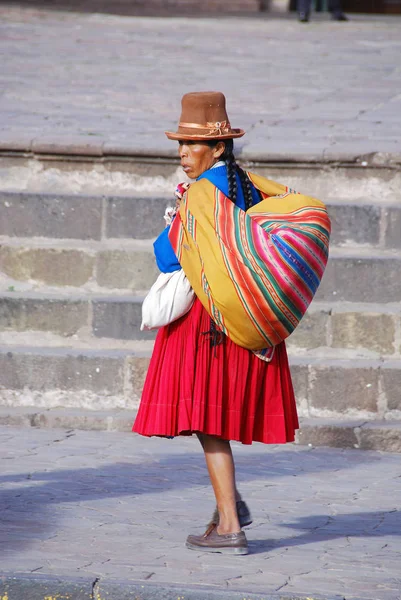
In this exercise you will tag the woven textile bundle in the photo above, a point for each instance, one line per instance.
(255, 272)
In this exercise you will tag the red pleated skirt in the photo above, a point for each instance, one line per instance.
(225, 390)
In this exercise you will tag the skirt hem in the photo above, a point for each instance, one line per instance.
(194, 432)
(225, 391)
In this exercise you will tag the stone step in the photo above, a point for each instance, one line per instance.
(353, 274)
(154, 170)
(374, 329)
(340, 384)
(89, 265)
(82, 217)
(379, 435)
(71, 377)
(361, 275)
(140, 216)
(371, 329)
(326, 386)
(79, 316)
(152, 8)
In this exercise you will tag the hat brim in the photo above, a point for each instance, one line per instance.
(176, 135)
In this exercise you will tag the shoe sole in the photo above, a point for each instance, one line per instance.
(224, 550)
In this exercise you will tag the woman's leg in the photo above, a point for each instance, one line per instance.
(237, 494)
(220, 464)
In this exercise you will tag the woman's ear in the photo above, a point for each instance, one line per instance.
(219, 149)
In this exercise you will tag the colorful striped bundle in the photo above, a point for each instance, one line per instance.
(255, 272)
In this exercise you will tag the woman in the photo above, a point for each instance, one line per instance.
(199, 380)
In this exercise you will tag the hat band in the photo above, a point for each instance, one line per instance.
(218, 127)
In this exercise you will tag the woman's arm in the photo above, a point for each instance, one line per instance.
(166, 259)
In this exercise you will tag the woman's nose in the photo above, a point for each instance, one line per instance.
(182, 150)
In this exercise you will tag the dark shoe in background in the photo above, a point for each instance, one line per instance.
(243, 512)
(303, 17)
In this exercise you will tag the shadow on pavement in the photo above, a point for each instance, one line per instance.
(26, 498)
(320, 528)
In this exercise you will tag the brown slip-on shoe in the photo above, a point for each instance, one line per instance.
(243, 512)
(211, 541)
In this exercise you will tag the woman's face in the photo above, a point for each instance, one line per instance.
(197, 157)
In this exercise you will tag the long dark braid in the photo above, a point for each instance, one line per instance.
(246, 187)
(215, 335)
(229, 159)
(232, 170)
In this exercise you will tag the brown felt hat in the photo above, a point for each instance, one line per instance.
(204, 117)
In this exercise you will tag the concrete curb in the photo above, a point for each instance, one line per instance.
(109, 590)
(18, 587)
(68, 418)
(23, 587)
(93, 151)
(384, 436)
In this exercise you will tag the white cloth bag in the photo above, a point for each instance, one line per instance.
(169, 298)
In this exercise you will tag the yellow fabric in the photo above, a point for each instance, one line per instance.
(246, 301)
(210, 272)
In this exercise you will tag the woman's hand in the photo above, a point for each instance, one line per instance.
(179, 193)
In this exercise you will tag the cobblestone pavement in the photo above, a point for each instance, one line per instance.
(102, 84)
(114, 505)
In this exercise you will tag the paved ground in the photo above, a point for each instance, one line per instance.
(102, 84)
(118, 507)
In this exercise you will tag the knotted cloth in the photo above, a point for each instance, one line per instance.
(255, 272)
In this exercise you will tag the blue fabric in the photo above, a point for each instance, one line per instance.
(166, 259)
(218, 176)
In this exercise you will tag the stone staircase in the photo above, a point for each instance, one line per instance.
(160, 8)
(74, 268)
